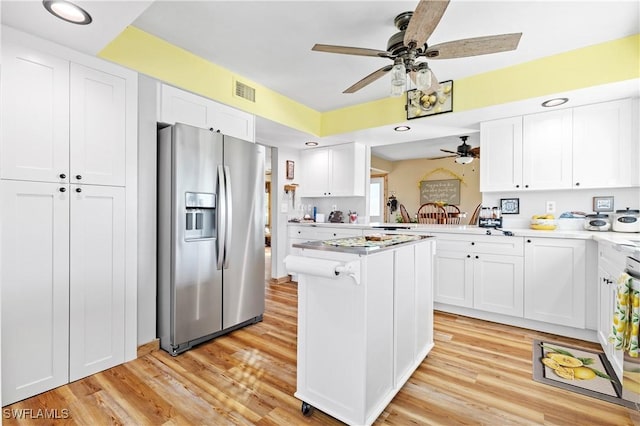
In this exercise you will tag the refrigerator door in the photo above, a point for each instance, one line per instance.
(244, 291)
(197, 283)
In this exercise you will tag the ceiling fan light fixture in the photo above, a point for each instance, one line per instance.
(463, 160)
(401, 128)
(423, 79)
(398, 79)
(311, 143)
(67, 11)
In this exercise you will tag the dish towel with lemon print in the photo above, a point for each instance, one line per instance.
(626, 319)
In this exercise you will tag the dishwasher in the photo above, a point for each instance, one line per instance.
(631, 365)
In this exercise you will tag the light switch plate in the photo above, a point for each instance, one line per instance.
(551, 207)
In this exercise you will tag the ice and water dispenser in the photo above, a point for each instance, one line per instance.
(200, 216)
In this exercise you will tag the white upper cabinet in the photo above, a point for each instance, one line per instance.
(98, 137)
(546, 150)
(501, 159)
(179, 106)
(35, 116)
(603, 153)
(336, 171)
(584, 147)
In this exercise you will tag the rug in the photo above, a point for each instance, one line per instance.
(579, 370)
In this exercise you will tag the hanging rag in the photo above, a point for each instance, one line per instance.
(626, 319)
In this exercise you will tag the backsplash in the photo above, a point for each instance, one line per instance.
(344, 204)
(534, 202)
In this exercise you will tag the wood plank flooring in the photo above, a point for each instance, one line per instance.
(479, 373)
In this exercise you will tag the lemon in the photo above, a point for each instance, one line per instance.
(565, 360)
(550, 362)
(565, 373)
(583, 373)
(636, 301)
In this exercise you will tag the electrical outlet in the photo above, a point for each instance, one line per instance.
(551, 206)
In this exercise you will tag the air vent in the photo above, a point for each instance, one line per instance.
(245, 92)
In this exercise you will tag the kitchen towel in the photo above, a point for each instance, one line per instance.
(626, 319)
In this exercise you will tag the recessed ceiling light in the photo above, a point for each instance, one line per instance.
(555, 102)
(311, 143)
(67, 11)
(401, 128)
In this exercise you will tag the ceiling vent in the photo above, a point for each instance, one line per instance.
(245, 92)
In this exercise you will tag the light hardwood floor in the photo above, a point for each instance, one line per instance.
(479, 373)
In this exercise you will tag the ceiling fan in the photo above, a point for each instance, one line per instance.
(410, 43)
(464, 154)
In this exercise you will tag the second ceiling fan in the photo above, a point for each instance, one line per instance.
(410, 43)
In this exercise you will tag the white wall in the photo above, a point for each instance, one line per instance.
(147, 227)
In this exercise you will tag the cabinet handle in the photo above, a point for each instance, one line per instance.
(79, 177)
(78, 189)
(63, 176)
(62, 189)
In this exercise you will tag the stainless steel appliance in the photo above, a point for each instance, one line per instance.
(210, 235)
(631, 365)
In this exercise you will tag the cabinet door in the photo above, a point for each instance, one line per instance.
(346, 170)
(178, 106)
(501, 160)
(424, 255)
(98, 133)
(35, 116)
(554, 281)
(404, 299)
(315, 173)
(97, 279)
(603, 154)
(232, 122)
(454, 278)
(34, 268)
(546, 150)
(498, 284)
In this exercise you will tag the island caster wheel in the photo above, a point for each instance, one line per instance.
(306, 409)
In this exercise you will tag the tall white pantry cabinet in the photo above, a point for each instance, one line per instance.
(68, 180)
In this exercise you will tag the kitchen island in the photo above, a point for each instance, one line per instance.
(365, 321)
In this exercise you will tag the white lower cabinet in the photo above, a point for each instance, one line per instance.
(555, 281)
(480, 272)
(62, 268)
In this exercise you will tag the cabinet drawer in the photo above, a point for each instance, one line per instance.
(332, 233)
(302, 232)
(486, 244)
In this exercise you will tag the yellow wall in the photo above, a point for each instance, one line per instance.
(406, 174)
(603, 63)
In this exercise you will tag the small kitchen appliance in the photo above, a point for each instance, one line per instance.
(597, 222)
(490, 217)
(336, 216)
(626, 220)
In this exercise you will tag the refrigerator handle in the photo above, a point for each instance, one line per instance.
(221, 217)
(229, 216)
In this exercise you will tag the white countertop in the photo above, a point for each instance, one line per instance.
(609, 236)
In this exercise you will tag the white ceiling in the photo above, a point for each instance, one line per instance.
(270, 43)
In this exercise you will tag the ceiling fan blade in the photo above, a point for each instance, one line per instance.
(347, 50)
(440, 158)
(474, 46)
(369, 79)
(450, 152)
(475, 152)
(424, 20)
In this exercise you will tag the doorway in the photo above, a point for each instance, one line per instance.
(377, 197)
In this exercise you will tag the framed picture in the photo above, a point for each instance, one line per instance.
(602, 204)
(510, 205)
(421, 104)
(290, 166)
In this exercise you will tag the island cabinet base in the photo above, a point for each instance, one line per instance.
(361, 336)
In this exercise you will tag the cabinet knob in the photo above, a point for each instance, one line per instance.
(526, 186)
(63, 176)
(79, 177)
(468, 256)
(517, 186)
(78, 189)
(62, 189)
(473, 243)
(477, 257)
(577, 183)
(528, 241)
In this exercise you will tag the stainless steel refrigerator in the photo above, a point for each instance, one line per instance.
(210, 235)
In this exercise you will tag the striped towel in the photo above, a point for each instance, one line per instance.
(626, 319)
